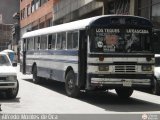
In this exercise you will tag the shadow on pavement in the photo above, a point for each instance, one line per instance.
(105, 100)
(4, 99)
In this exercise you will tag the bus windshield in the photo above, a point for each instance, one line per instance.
(120, 40)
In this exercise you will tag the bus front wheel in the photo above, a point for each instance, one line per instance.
(124, 92)
(35, 77)
(70, 85)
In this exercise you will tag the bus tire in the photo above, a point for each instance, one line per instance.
(124, 93)
(156, 87)
(12, 92)
(36, 79)
(70, 85)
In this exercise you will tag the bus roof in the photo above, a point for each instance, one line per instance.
(75, 25)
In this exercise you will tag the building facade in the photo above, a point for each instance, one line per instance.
(70, 10)
(7, 9)
(35, 14)
(151, 10)
(5, 35)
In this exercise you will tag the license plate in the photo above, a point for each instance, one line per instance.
(127, 83)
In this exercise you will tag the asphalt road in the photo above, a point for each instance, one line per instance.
(49, 97)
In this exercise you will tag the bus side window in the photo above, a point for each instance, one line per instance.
(53, 42)
(72, 40)
(49, 41)
(69, 40)
(61, 41)
(24, 48)
(75, 40)
(27, 44)
(37, 41)
(30, 44)
(43, 43)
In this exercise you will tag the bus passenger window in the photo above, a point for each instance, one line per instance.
(61, 41)
(30, 44)
(49, 41)
(75, 40)
(53, 42)
(69, 40)
(72, 40)
(44, 42)
(37, 43)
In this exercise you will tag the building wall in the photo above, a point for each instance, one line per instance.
(5, 35)
(151, 10)
(39, 18)
(7, 9)
(69, 10)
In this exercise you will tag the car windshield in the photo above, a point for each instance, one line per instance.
(4, 61)
(128, 40)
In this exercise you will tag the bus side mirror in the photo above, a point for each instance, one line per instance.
(14, 64)
(155, 37)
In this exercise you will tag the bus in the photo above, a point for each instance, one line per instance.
(98, 53)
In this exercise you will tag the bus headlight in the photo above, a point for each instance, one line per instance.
(146, 67)
(103, 68)
(11, 78)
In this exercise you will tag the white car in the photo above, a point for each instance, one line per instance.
(156, 88)
(8, 77)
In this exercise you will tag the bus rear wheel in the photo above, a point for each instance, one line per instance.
(124, 92)
(70, 85)
(36, 79)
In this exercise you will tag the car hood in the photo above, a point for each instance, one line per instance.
(7, 70)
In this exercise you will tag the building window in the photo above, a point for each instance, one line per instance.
(144, 8)
(43, 1)
(37, 4)
(28, 10)
(32, 6)
(23, 13)
(156, 15)
(119, 7)
(150, 9)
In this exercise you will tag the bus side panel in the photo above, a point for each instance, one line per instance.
(53, 64)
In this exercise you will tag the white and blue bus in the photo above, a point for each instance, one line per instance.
(98, 53)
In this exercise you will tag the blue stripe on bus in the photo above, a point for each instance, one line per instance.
(53, 52)
(54, 60)
(53, 74)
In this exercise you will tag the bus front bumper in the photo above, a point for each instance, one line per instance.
(115, 81)
(120, 82)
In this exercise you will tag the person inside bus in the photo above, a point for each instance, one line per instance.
(111, 42)
(132, 43)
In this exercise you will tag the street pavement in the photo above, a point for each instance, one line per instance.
(49, 97)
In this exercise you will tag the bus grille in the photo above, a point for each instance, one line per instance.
(125, 68)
